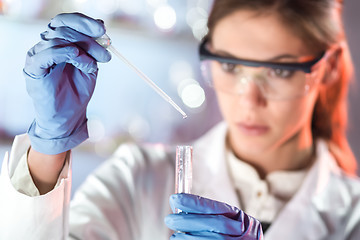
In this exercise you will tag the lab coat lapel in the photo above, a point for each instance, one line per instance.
(311, 214)
(210, 174)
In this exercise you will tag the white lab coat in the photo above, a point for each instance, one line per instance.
(127, 197)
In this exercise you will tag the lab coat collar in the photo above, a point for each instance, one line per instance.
(321, 204)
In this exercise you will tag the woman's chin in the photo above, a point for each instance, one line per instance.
(249, 145)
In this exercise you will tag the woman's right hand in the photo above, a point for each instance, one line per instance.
(60, 73)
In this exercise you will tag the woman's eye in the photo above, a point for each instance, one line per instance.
(281, 73)
(228, 67)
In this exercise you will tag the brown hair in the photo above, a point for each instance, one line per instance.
(319, 23)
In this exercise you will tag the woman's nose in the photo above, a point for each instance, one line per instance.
(249, 91)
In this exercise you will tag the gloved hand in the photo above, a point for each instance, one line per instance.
(60, 73)
(203, 218)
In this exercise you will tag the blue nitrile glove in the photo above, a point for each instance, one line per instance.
(203, 218)
(60, 73)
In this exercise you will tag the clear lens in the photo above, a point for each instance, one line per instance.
(273, 83)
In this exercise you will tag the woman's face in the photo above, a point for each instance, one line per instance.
(258, 125)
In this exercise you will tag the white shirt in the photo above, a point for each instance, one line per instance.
(262, 198)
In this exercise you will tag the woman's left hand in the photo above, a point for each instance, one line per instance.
(203, 218)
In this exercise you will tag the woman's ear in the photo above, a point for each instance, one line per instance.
(332, 68)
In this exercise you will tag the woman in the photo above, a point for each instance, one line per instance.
(280, 70)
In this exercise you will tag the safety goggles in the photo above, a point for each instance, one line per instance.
(276, 80)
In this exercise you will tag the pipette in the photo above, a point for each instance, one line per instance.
(105, 42)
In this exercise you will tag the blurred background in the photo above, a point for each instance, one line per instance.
(161, 38)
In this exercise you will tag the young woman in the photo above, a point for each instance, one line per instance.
(280, 70)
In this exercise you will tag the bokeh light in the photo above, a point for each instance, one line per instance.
(165, 17)
(196, 18)
(191, 93)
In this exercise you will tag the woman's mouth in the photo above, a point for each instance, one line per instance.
(252, 129)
